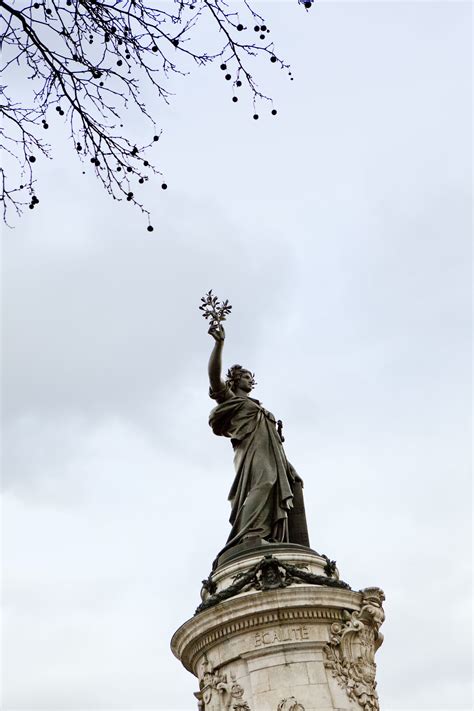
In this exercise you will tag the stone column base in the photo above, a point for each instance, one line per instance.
(275, 633)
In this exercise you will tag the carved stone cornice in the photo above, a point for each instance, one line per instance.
(253, 611)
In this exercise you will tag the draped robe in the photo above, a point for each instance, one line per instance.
(262, 488)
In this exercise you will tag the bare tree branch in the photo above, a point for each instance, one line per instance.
(87, 59)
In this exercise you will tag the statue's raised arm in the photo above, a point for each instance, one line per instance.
(215, 312)
(215, 360)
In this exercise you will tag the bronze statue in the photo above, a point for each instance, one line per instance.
(266, 495)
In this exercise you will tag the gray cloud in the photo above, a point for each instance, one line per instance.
(340, 232)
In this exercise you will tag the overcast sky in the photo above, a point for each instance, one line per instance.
(340, 232)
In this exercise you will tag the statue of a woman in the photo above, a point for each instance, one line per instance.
(266, 496)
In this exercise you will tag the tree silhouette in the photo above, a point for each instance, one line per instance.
(86, 60)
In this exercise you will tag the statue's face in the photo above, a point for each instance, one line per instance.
(246, 381)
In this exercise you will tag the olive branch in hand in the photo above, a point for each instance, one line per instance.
(214, 310)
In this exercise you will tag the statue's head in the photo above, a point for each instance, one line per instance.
(238, 377)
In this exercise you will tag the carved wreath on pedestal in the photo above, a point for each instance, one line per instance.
(268, 574)
(352, 646)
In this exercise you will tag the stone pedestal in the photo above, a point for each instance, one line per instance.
(278, 631)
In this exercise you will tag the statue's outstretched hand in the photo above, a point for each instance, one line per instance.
(218, 333)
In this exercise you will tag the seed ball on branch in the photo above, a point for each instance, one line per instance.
(164, 186)
(240, 28)
(150, 228)
(255, 116)
(228, 77)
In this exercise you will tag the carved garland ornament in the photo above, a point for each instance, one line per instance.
(217, 693)
(268, 574)
(290, 704)
(352, 646)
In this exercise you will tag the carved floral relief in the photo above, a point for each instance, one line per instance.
(352, 646)
(290, 704)
(219, 691)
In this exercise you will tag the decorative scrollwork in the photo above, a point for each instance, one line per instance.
(269, 574)
(217, 692)
(352, 646)
(290, 704)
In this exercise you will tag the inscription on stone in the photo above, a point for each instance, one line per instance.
(281, 634)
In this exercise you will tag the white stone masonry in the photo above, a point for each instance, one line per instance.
(281, 642)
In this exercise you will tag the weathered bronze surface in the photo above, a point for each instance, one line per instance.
(266, 495)
(269, 574)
